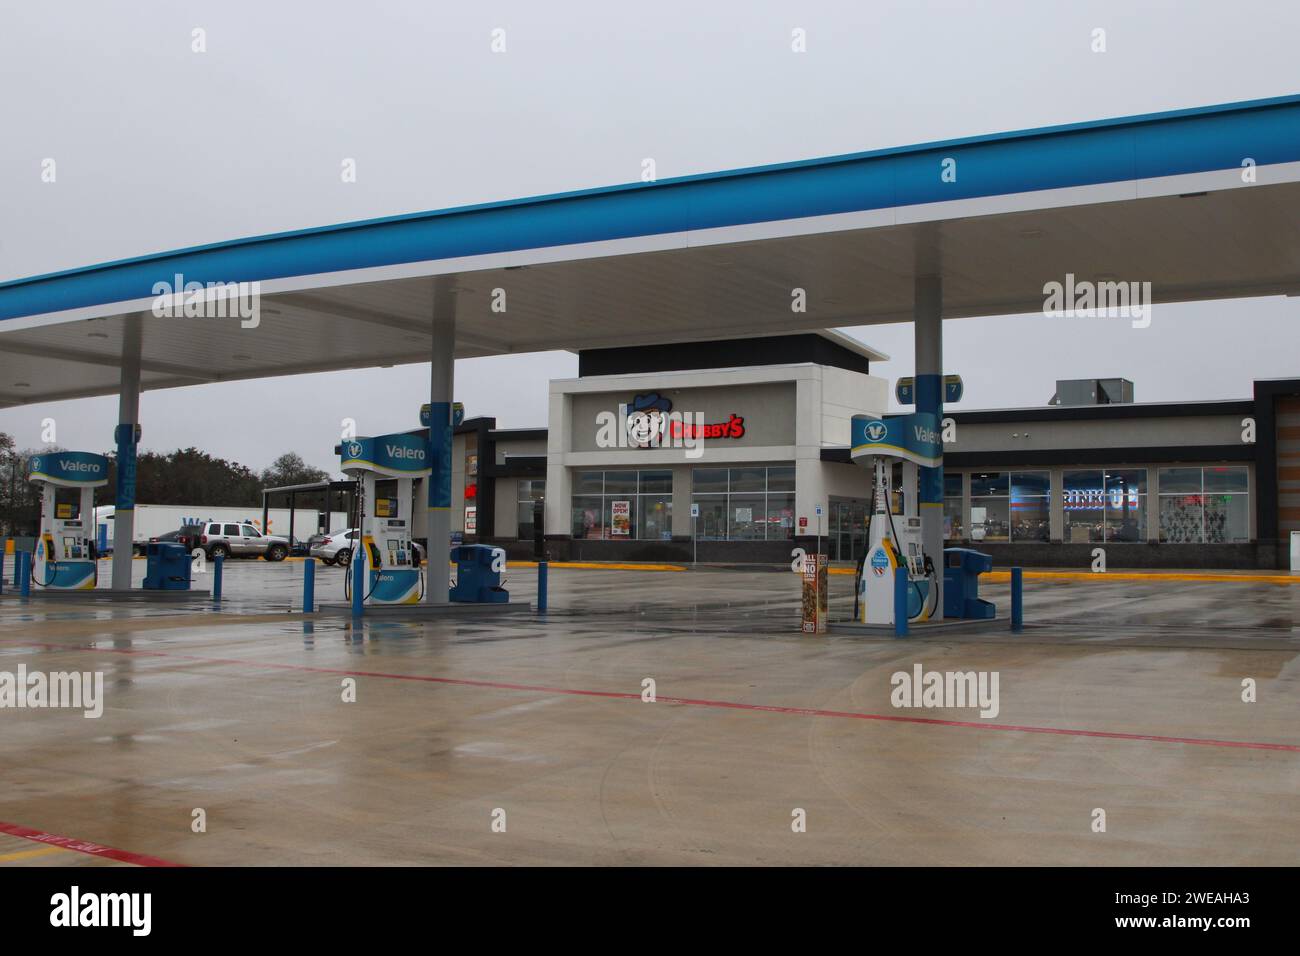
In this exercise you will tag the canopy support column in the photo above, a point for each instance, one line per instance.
(128, 416)
(927, 316)
(442, 373)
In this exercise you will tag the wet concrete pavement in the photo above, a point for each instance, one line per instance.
(539, 722)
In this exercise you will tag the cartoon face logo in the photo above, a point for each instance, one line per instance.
(647, 419)
(876, 431)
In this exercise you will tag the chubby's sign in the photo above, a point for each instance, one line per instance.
(733, 427)
(648, 421)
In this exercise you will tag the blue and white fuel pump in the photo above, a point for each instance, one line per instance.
(386, 468)
(894, 537)
(64, 556)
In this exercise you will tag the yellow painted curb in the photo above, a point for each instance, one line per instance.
(1207, 578)
(29, 854)
(600, 566)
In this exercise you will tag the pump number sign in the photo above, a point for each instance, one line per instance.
(953, 388)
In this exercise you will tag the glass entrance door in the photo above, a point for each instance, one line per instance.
(840, 531)
(848, 538)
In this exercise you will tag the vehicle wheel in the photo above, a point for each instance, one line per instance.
(277, 552)
(219, 550)
(344, 557)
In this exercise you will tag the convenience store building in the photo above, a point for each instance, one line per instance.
(1195, 485)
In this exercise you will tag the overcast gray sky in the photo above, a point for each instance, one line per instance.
(159, 147)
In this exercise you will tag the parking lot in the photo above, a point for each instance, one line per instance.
(1124, 696)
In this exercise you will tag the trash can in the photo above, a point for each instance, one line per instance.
(962, 568)
(476, 581)
(167, 567)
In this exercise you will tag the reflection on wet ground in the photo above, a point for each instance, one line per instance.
(1121, 695)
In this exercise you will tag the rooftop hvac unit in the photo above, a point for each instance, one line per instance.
(1093, 391)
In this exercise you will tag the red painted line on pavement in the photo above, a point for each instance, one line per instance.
(684, 701)
(83, 846)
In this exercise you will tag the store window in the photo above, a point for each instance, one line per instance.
(1126, 504)
(1083, 494)
(623, 505)
(1010, 506)
(469, 490)
(990, 512)
(1209, 505)
(1031, 505)
(1105, 505)
(530, 492)
(952, 510)
(750, 503)
(655, 505)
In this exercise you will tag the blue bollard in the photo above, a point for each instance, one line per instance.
(1017, 601)
(541, 587)
(900, 601)
(309, 586)
(23, 574)
(217, 562)
(358, 571)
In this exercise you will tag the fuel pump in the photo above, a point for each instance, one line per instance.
(385, 468)
(64, 556)
(894, 535)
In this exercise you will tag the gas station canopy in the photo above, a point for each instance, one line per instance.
(1202, 203)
